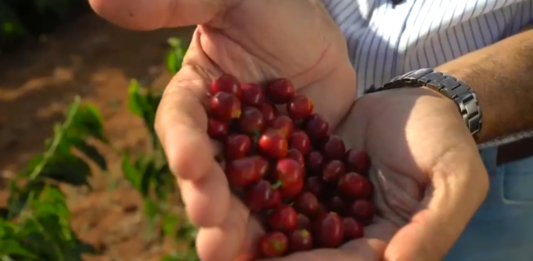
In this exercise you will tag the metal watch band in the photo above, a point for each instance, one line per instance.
(450, 87)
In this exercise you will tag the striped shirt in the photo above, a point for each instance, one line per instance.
(386, 40)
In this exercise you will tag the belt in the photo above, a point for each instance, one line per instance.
(514, 151)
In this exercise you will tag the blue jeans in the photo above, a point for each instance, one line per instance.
(502, 229)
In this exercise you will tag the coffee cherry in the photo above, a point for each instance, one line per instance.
(303, 222)
(314, 162)
(269, 113)
(353, 185)
(292, 190)
(316, 127)
(237, 146)
(273, 145)
(297, 156)
(258, 195)
(252, 95)
(217, 129)
(358, 161)
(273, 244)
(283, 124)
(242, 172)
(306, 203)
(300, 141)
(280, 91)
(252, 121)
(226, 106)
(334, 147)
(283, 218)
(226, 83)
(333, 170)
(274, 200)
(288, 172)
(352, 229)
(299, 107)
(261, 164)
(300, 240)
(329, 230)
(363, 211)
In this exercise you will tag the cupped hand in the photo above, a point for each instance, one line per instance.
(427, 170)
(255, 41)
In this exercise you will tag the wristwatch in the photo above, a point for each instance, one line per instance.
(456, 90)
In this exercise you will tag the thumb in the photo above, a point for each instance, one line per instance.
(146, 15)
(451, 199)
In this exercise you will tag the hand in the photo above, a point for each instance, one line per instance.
(256, 41)
(427, 170)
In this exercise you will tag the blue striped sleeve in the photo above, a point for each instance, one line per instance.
(386, 40)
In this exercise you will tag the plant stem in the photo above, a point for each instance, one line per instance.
(49, 153)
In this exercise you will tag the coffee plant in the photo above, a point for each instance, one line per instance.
(149, 173)
(35, 223)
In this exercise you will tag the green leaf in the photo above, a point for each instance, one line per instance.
(7, 229)
(19, 197)
(169, 257)
(146, 180)
(68, 168)
(88, 122)
(12, 247)
(174, 58)
(130, 172)
(151, 209)
(170, 225)
(187, 231)
(89, 151)
(136, 101)
(32, 164)
(165, 181)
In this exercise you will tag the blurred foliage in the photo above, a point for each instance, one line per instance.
(35, 224)
(20, 19)
(150, 174)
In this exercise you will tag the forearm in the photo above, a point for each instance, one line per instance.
(502, 77)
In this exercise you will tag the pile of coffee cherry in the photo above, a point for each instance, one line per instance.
(281, 159)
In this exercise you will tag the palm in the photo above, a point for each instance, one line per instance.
(409, 135)
(253, 42)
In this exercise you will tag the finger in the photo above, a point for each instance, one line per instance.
(397, 197)
(155, 14)
(456, 191)
(181, 124)
(234, 240)
(207, 200)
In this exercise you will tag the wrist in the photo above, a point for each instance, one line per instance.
(451, 88)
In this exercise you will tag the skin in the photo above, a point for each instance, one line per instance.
(429, 176)
(501, 76)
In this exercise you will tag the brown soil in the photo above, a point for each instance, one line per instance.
(95, 60)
